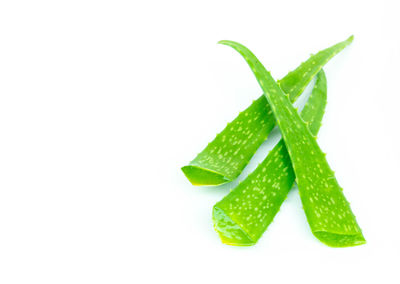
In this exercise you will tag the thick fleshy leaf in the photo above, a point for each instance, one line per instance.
(327, 210)
(228, 154)
(242, 216)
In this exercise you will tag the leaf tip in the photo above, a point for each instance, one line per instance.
(350, 39)
(225, 42)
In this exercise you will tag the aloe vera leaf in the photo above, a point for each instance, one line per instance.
(243, 215)
(328, 212)
(228, 154)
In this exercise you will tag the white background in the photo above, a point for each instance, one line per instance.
(102, 102)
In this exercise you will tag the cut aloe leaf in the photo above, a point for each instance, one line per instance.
(242, 216)
(327, 210)
(228, 154)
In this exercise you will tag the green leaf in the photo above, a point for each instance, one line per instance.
(228, 154)
(327, 210)
(242, 216)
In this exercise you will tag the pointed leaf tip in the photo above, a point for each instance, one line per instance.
(223, 41)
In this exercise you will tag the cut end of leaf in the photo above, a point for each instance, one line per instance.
(200, 176)
(338, 240)
(229, 231)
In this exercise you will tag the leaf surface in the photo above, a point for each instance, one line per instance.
(327, 210)
(228, 154)
(242, 216)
